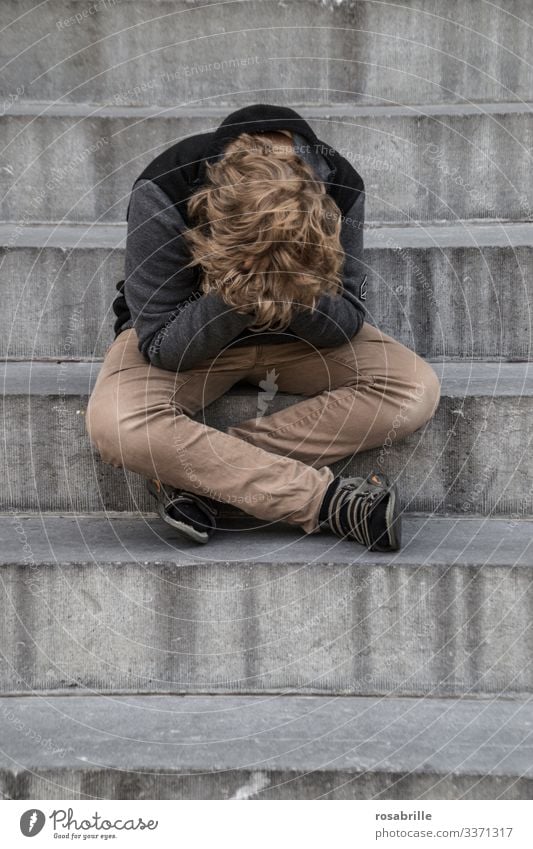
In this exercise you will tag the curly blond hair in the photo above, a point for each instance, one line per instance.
(265, 232)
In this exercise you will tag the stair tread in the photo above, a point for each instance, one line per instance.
(99, 540)
(296, 733)
(96, 604)
(51, 108)
(459, 379)
(465, 233)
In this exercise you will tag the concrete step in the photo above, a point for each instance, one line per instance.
(123, 604)
(430, 163)
(472, 457)
(167, 51)
(452, 291)
(163, 747)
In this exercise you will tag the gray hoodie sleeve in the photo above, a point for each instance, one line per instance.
(177, 325)
(337, 318)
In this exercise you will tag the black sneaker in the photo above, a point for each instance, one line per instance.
(193, 516)
(366, 510)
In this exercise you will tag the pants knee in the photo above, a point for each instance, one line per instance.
(93, 421)
(103, 432)
(427, 393)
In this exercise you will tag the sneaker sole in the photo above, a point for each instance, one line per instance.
(184, 530)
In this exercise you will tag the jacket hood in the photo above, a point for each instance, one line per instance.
(260, 118)
(181, 169)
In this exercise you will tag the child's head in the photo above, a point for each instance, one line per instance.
(266, 233)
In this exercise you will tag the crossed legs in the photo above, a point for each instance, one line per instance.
(140, 417)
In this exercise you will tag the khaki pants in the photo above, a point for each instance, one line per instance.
(274, 467)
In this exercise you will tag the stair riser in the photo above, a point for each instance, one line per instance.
(472, 457)
(280, 784)
(442, 167)
(141, 52)
(452, 302)
(220, 627)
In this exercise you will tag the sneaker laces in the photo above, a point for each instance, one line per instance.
(351, 507)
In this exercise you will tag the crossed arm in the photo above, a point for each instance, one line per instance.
(177, 328)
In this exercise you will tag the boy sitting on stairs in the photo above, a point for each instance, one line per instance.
(244, 262)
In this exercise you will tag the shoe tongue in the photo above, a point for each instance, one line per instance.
(343, 518)
(328, 495)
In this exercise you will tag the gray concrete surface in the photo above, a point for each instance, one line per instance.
(462, 290)
(458, 379)
(123, 604)
(406, 52)
(473, 457)
(76, 539)
(97, 605)
(418, 163)
(459, 234)
(266, 748)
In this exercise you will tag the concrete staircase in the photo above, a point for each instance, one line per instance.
(270, 665)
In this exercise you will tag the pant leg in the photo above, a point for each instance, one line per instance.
(139, 417)
(364, 394)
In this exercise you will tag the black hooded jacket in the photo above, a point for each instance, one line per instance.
(176, 324)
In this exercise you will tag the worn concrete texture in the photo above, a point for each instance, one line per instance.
(325, 50)
(451, 291)
(78, 163)
(401, 676)
(164, 747)
(113, 604)
(473, 457)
